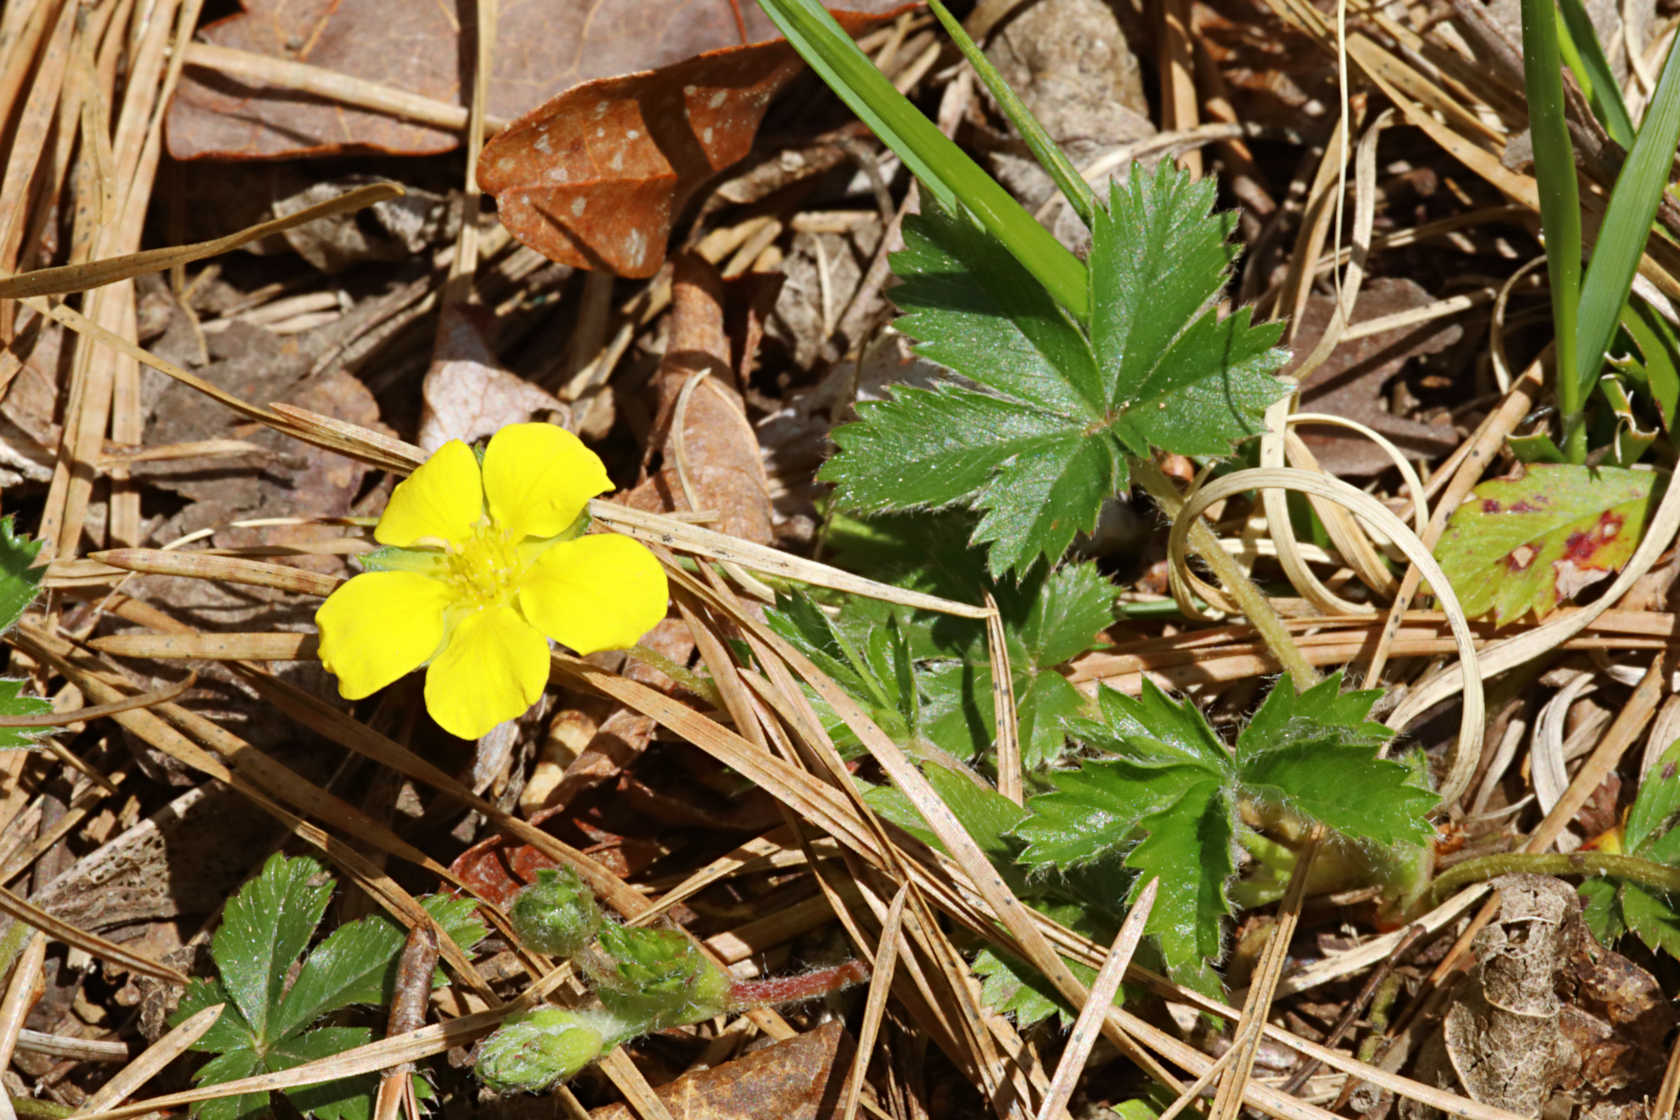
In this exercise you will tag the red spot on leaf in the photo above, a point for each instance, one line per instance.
(1490, 505)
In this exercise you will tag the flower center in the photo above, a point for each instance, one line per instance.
(485, 569)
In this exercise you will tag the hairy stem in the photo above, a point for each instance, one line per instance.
(747, 994)
(1635, 870)
(1254, 604)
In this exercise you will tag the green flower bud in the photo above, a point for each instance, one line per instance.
(557, 914)
(657, 977)
(535, 1050)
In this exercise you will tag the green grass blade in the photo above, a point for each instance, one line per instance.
(1049, 155)
(1581, 50)
(942, 167)
(1560, 205)
(1627, 223)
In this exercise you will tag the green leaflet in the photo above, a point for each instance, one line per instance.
(19, 584)
(925, 678)
(1614, 906)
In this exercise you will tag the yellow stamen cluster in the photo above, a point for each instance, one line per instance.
(485, 568)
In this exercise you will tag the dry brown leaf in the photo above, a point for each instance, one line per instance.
(595, 177)
(466, 394)
(1350, 383)
(800, 1079)
(541, 47)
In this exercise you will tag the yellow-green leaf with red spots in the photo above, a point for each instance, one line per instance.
(1524, 544)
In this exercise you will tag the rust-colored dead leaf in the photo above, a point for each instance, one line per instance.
(542, 46)
(800, 1079)
(595, 177)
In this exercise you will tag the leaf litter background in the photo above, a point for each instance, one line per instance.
(760, 252)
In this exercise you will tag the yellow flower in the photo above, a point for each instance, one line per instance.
(484, 566)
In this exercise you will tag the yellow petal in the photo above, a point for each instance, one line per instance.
(537, 478)
(442, 499)
(493, 668)
(602, 591)
(380, 626)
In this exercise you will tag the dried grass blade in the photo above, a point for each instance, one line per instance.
(880, 987)
(227, 569)
(281, 646)
(94, 274)
(1103, 989)
(695, 541)
(23, 911)
(1467, 675)
(371, 1058)
(159, 1054)
(99, 711)
(1005, 718)
(333, 85)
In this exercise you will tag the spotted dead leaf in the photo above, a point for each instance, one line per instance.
(542, 47)
(1528, 543)
(595, 177)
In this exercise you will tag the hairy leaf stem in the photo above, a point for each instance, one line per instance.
(1635, 870)
(1248, 597)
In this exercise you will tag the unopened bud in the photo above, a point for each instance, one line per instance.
(557, 914)
(538, 1049)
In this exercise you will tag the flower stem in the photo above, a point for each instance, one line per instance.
(745, 995)
(1254, 604)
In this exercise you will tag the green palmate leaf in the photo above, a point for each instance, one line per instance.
(1286, 715)
(348, 1098)
(1656, 804)
(1168, 805)
(1093, 812)
(265, 927)
(1655, 362)
(1049, 619)
(1627, 223)
(1040, 442)
(925, 678)
(1067, 609)
(1153, 729)
(1013, 987)
(1615, 907)
(985, 813)
(14, 703)
(1523, 544)
(1651, 917)
(232, 1066)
